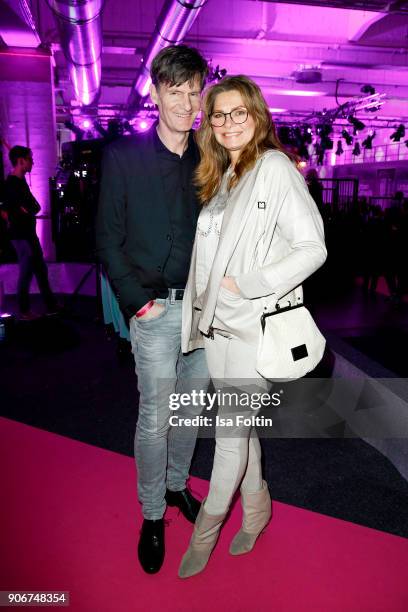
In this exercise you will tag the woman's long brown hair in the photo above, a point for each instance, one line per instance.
(215, 158)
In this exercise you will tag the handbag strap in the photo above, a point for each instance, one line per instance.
(262, 254)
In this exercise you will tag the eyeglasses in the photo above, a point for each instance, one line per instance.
(238, 115)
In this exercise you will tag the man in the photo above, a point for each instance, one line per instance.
(145, 231)
(19, 212)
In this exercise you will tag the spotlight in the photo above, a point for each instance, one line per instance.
(86, 124)
(307, 135)
(357, 150)
(324, 130)
(368, 89)
(339, 150)
(99, 128)
(398, 134)
(368, 142)
(356, 123)
(347, 137)
(215, 74)
(129, 127)
(79, 134)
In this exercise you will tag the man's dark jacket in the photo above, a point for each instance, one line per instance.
(133, 230)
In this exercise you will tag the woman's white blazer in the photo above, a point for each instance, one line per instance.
(272, 239)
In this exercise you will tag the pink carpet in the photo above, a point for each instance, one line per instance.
(70, 521)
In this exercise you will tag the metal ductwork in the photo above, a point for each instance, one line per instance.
(17, 27)
(173, 23)
(79, 25)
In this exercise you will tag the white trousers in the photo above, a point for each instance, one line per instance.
(237, 459)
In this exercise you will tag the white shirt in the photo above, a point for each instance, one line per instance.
(208, 234)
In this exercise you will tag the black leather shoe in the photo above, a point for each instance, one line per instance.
(185, 502)
(151, 546)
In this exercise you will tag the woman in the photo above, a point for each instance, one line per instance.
(258, 237)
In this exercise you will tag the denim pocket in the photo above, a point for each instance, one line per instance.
(145, 322)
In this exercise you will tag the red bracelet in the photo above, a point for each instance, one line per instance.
(144, 309)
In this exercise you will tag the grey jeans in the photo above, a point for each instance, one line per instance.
(163, 453)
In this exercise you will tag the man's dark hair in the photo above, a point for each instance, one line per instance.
(18, 152)
(177, 64)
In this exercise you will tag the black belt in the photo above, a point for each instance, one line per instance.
(176, 294)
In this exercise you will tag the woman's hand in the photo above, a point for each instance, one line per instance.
(229, 284)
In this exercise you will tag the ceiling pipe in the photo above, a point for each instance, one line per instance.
(17, 27)
(173, 23)
(79, 25)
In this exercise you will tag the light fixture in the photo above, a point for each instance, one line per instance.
(129, 127)
(339, 150)
(347, 137)
(357, 150)
(356, 123)
(295, 92)
(368, 142)
(79, 134)
(399, 133)
(215, 74)
(368, 89)
(99, 128)
(307, 134)
(324, 130)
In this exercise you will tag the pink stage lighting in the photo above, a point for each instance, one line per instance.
(296, 92)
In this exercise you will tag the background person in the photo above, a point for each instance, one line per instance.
(20, 210)
(251, 192)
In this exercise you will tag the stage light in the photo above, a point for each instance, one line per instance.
(143, 125)
(215, 74)
(129, 127)
(399, 133)
(86, 124)
(368, 89)
(79, 134)
(368, 142)
(277, 91)
(307, 134)
(357, 150)
(324, 130)
(339, 150)
(356, 123)
(347, 137)
(99, 128)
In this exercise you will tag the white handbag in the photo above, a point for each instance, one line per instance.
(290, 343)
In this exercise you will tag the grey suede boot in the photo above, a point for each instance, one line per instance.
(206, 530)
(257, 512)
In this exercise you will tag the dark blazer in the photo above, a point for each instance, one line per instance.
(133, 230)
